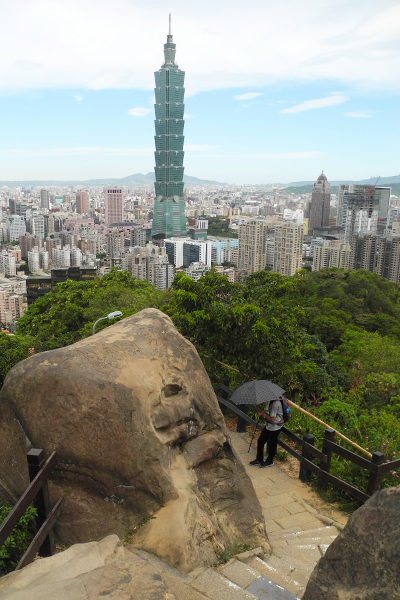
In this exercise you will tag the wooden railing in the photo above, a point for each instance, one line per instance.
(37, 493)
(375, 467)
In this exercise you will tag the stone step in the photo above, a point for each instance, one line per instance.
(304, 552)
(271, 572)
(329, 530)
(217, 587)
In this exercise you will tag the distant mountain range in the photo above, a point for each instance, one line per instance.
(140, 179)
(131, 181)
(371, 180)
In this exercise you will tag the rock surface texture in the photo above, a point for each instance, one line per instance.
(363, 563)
(138, 433)
(87, 572)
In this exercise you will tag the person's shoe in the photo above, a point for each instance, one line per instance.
(267, 463)
(254, 463)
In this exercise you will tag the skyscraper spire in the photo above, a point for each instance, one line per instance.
(169, 47)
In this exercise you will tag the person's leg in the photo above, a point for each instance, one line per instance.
(272, 445)
(262, 440)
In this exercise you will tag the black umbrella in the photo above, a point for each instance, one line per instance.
(257, 392)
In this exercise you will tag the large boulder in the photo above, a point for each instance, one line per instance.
(87, 572)
(138, 432)
(363, 563)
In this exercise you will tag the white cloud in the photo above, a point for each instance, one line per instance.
(248, 96)
(332, 100)
(358, 44)
(186, 116)
(78, 98)
(358, 115)
(139, 112)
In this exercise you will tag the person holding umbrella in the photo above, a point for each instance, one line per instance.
(273, 414)
(268, 393)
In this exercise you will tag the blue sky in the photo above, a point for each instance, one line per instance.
(275, 91)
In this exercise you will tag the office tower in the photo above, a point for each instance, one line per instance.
(197, 252)
(61, 258)
(36, 225)
(320, 204)
(114, 201)
(383, 196)
(252, 239)
(34, 260)
(169, 210)
(342, 204)
(362, 211)
(81, 203)
(138, 237)
(174, 249)
(75, 257)
(288, 248)
(45, 199)
(16, 226)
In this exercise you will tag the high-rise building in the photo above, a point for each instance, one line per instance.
(252, 240)
(81, 203)
(169, 210)
(288, 248)
(362, 211)
(198, 251)
(326, 255)
(174, 249)
(138, 237)
(388, 258)
(45, 199)
(16, 226)
(114, 202)
(320, 204)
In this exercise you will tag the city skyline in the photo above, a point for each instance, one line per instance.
(265, 102)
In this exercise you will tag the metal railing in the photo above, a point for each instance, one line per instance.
(37, 493)
(375, 467)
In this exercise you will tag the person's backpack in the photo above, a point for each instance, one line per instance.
(287, 413)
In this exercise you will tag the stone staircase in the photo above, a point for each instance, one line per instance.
(298, 534)
(281, 575)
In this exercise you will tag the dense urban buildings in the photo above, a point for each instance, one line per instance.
(169, 210)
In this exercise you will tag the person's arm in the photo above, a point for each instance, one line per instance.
(265, 415)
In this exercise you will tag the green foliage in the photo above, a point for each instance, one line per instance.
(219, 226)
(249, 328)
(67, 314)
(18, 541)
(229, 552)
(13, 349)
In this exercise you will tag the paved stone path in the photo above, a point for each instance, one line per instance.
(300, 528)
(286, 502)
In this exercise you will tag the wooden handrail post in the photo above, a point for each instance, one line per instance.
(241, 426)
(328, 435)
(375, 475)
(304, 474)
(224, 394)
(36, 459)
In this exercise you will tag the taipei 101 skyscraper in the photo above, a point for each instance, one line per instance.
(169, 209)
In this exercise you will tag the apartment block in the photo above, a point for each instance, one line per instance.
(288, 248)
(251, 246)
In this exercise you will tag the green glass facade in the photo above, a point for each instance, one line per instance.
(169, 210)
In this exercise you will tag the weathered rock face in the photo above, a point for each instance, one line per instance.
(87, 572)
(363, 563)
(137, 429)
